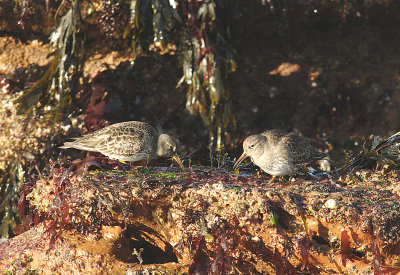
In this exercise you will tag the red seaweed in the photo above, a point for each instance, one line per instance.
(346, 250)
(200, 263)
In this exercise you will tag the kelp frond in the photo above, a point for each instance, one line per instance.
(376, 152)
(60, 79)
(9, 184)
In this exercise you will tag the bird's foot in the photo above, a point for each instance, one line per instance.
(272, 179)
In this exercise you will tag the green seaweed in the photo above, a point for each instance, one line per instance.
(274, 218)
(166, 176)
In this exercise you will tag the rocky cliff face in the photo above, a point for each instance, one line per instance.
(329, 76)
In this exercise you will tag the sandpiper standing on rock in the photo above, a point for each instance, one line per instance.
(127, 141)
(278, 153)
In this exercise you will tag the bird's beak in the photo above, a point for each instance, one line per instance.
(178, 161)
(239, 160)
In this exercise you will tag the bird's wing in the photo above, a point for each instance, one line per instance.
(87, 142)
(300, 151)
(274, 135)
(126, 139)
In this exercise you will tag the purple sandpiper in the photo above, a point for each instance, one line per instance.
(127, 141)
(278, 153)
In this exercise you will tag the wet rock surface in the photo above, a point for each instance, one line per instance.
(109, 221)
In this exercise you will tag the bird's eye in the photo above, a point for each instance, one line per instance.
(252, 146)
(171, 148)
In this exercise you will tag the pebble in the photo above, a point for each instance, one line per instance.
(331, 203)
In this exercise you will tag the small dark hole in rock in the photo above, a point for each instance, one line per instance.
(358, 253)
(320, 240)
(155, 250)
(285, 219)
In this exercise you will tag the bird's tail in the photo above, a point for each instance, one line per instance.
(81, 144)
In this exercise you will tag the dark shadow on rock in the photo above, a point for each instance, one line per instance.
(155, 249)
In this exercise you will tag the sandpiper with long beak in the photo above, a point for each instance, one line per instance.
(278, 153)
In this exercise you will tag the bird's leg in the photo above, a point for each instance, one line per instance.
(291, 178)
(272, 180)
(147, 161)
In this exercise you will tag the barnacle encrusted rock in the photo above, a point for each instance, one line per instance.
(156, 217)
